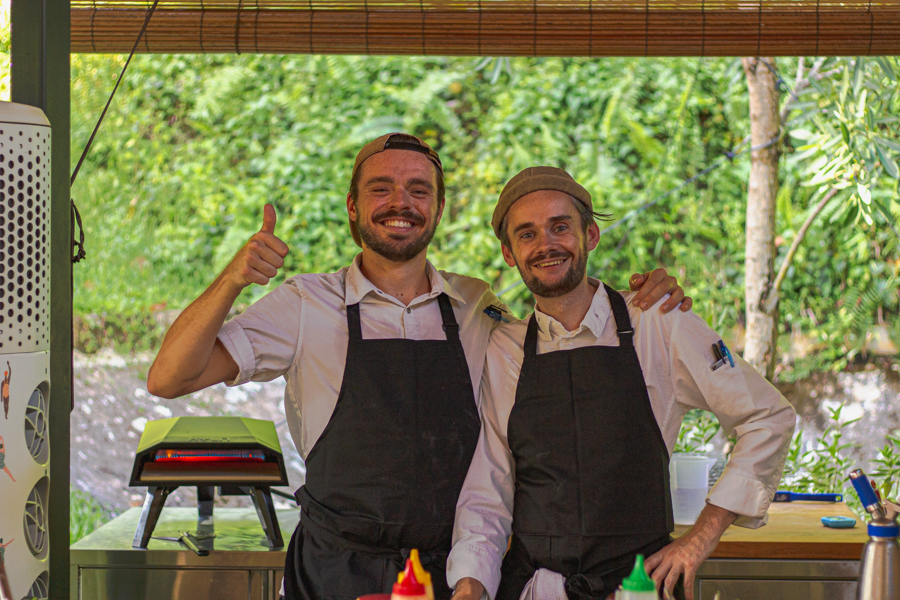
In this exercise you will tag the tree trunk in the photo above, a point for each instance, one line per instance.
(759, 260)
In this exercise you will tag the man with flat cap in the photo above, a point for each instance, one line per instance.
(382, 360)
(581, 406)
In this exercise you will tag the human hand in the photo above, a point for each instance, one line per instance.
(652, 286)
(685, 555)
(468, 589)
(260, 258)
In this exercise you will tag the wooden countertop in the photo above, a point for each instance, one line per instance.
(794, 531)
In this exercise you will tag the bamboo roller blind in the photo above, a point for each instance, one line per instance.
(493, 27)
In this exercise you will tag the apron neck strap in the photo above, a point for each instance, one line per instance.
(354, 328)
(620, 312)
(451, 327)
(531, 337)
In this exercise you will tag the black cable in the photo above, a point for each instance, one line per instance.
(80, 254)
(79, 243)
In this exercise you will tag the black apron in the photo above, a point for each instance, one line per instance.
(385, 475)
(592, 470)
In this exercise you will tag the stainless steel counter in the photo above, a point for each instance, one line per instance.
(240, 565)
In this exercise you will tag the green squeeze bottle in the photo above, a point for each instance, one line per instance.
(638, 585)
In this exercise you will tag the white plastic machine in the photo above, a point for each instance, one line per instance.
(24, 347)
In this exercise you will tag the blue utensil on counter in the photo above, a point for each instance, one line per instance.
(839, 522)
(781, 496)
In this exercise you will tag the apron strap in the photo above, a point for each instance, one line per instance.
(451, 327)
(354, 328)
(620, 312)
(531, 338)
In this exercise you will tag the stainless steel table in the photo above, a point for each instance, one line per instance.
(240, 565)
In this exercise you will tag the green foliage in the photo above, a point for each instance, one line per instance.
(193, 147)
(820, 465)
(824, 467)
(698, 429)
(888, 467)
(85, 515)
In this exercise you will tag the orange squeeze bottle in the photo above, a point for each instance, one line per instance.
(408, 586)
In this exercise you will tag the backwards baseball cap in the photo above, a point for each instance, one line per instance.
(534, 179)
(392, 141)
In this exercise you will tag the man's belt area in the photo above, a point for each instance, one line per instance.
(604, 579)
(364, 536)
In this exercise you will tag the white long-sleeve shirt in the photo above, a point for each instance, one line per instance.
(675, 353)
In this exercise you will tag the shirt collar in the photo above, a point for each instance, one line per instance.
(594, 321)
(357, 286)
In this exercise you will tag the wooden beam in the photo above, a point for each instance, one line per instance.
(493, 28)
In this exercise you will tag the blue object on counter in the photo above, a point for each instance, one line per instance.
(781, 496)
(865, 491)
(839, 522)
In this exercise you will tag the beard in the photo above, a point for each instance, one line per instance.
(563, 286)
(396, 249)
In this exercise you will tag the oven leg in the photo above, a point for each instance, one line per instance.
(206, 495)
(153, 505)
(265, 508)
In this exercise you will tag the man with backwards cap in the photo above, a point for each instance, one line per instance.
(382, 360)
(581, 406)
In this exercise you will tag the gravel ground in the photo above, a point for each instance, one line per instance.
(112, 406)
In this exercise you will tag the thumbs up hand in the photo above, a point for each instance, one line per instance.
(260, 258)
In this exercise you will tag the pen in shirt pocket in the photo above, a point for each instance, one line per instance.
(722, 355)
(498, 314)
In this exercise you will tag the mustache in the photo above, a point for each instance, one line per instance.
(403, 214)
(547, 256)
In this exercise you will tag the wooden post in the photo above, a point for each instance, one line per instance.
(40, 77)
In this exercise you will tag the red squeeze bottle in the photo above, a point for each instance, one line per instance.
(409, 588)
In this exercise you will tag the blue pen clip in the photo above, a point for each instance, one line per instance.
(497, 314)
(726, 352)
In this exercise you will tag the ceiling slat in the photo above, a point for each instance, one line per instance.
(493, 27)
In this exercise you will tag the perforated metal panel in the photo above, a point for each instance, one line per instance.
(24, 242)
(24, 346)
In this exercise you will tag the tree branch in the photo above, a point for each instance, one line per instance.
(769, 303)
(803, 82)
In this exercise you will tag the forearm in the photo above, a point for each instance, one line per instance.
(190, 342)
(712, 523)
(468, 589)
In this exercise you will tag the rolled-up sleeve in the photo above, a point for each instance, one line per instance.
(263, 340)
(484, 511)
(748, 407)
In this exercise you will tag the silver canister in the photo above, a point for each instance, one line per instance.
(879, 574)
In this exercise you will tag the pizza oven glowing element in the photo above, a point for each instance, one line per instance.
(24, 347)
(240, 456)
